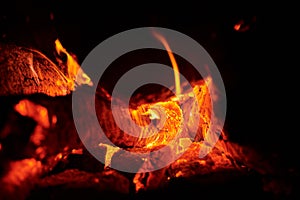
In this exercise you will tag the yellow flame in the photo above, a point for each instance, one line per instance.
(173, 61)
(74, 70)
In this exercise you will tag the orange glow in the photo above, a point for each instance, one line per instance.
(237, 26)
(37, 136)
(163, 120)
(241, 26)
(66, 148)
(19, 172)
(202, 162)
(41, 152)
(194, 109)
(75, 72)
(77, 151)
(179, 174)
(37, 112)
(54, 119)
(136, 180)
(58, 156)
(169, 111)
(173, 61)
(188, 147)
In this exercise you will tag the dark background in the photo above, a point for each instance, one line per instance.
(256, 64)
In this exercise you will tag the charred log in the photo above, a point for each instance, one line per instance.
(26, 71)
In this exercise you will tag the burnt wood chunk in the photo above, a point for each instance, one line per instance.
(26, 71)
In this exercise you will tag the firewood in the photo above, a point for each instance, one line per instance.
(26, 71)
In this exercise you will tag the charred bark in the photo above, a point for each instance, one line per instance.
(26, 71)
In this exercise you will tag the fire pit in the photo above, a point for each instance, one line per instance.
(42, 155)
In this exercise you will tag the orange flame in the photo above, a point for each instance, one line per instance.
(173, 61)
(194, 108)
(75, 72)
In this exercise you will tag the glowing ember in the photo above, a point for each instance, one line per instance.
(237, 26)
(188, 147)
(242, 26)
(28, 71)
(59, 156)
(23, 172)
(77, 151)
(34, 111)
(38, 135)
(167, 117)
(169, 112)
(137, 182)
(41, 152)
(187, 114)
(54, 119)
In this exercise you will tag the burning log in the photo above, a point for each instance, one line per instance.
(32, 79)
(29, 82)
(54, 161)
(28, 71)
(169, 111)
(53, 146)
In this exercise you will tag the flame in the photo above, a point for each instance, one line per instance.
(167, 113)
(194, 107)
(75, 72)
(187, 147)
(171, 113)
(170, 117)
(173, 61)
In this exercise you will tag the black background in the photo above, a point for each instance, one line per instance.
(256, 65)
